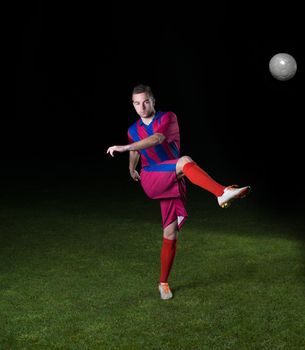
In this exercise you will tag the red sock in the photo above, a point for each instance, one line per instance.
(200, 178)
(168, 253)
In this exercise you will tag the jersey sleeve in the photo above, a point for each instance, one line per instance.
(169, 127)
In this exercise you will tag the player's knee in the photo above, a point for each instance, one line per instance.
(171, 235)
(185, 159)
(182, 161)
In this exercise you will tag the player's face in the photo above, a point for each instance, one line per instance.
(144, 105)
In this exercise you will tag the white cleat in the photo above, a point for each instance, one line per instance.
(230, 193)
(165, 291)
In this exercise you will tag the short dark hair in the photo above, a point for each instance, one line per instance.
(140, 88)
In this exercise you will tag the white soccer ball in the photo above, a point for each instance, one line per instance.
(282, 66)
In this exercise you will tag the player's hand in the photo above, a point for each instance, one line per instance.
(113, 149)
(135, 175)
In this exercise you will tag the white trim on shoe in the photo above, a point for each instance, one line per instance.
(231, 193)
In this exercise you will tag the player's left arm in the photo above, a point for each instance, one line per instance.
(151, 141)
(134, 157)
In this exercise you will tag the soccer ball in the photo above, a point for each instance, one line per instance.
(282, 66)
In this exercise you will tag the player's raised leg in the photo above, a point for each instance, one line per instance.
(167, 256)
(225, 194)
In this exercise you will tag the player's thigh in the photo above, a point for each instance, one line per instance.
(171, 231)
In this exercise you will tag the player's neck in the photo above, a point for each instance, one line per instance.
(148, 120)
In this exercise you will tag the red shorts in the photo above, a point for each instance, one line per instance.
(160, 181)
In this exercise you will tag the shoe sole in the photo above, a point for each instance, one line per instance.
(240, 195)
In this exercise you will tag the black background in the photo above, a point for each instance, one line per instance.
(71, 68)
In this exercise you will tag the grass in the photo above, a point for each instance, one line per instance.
(80, 265)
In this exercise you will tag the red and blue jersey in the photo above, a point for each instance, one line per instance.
(165, 123)
(158, 173)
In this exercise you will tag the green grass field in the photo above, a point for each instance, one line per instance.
(80, 265)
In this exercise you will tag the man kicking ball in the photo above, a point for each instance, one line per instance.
(155, 139)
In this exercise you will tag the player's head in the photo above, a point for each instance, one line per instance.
(143, 100)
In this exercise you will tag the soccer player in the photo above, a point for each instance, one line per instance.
(155, 139)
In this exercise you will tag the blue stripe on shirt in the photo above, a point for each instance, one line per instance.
(174, 149)
(159, 149)
(161, 167)
(135, 136)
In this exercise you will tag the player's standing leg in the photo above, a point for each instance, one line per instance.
(167, 256)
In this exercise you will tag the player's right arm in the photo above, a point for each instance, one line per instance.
(134, 157)
(150, 141)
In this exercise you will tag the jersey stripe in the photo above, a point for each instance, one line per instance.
(161, 167)
(133, 131)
